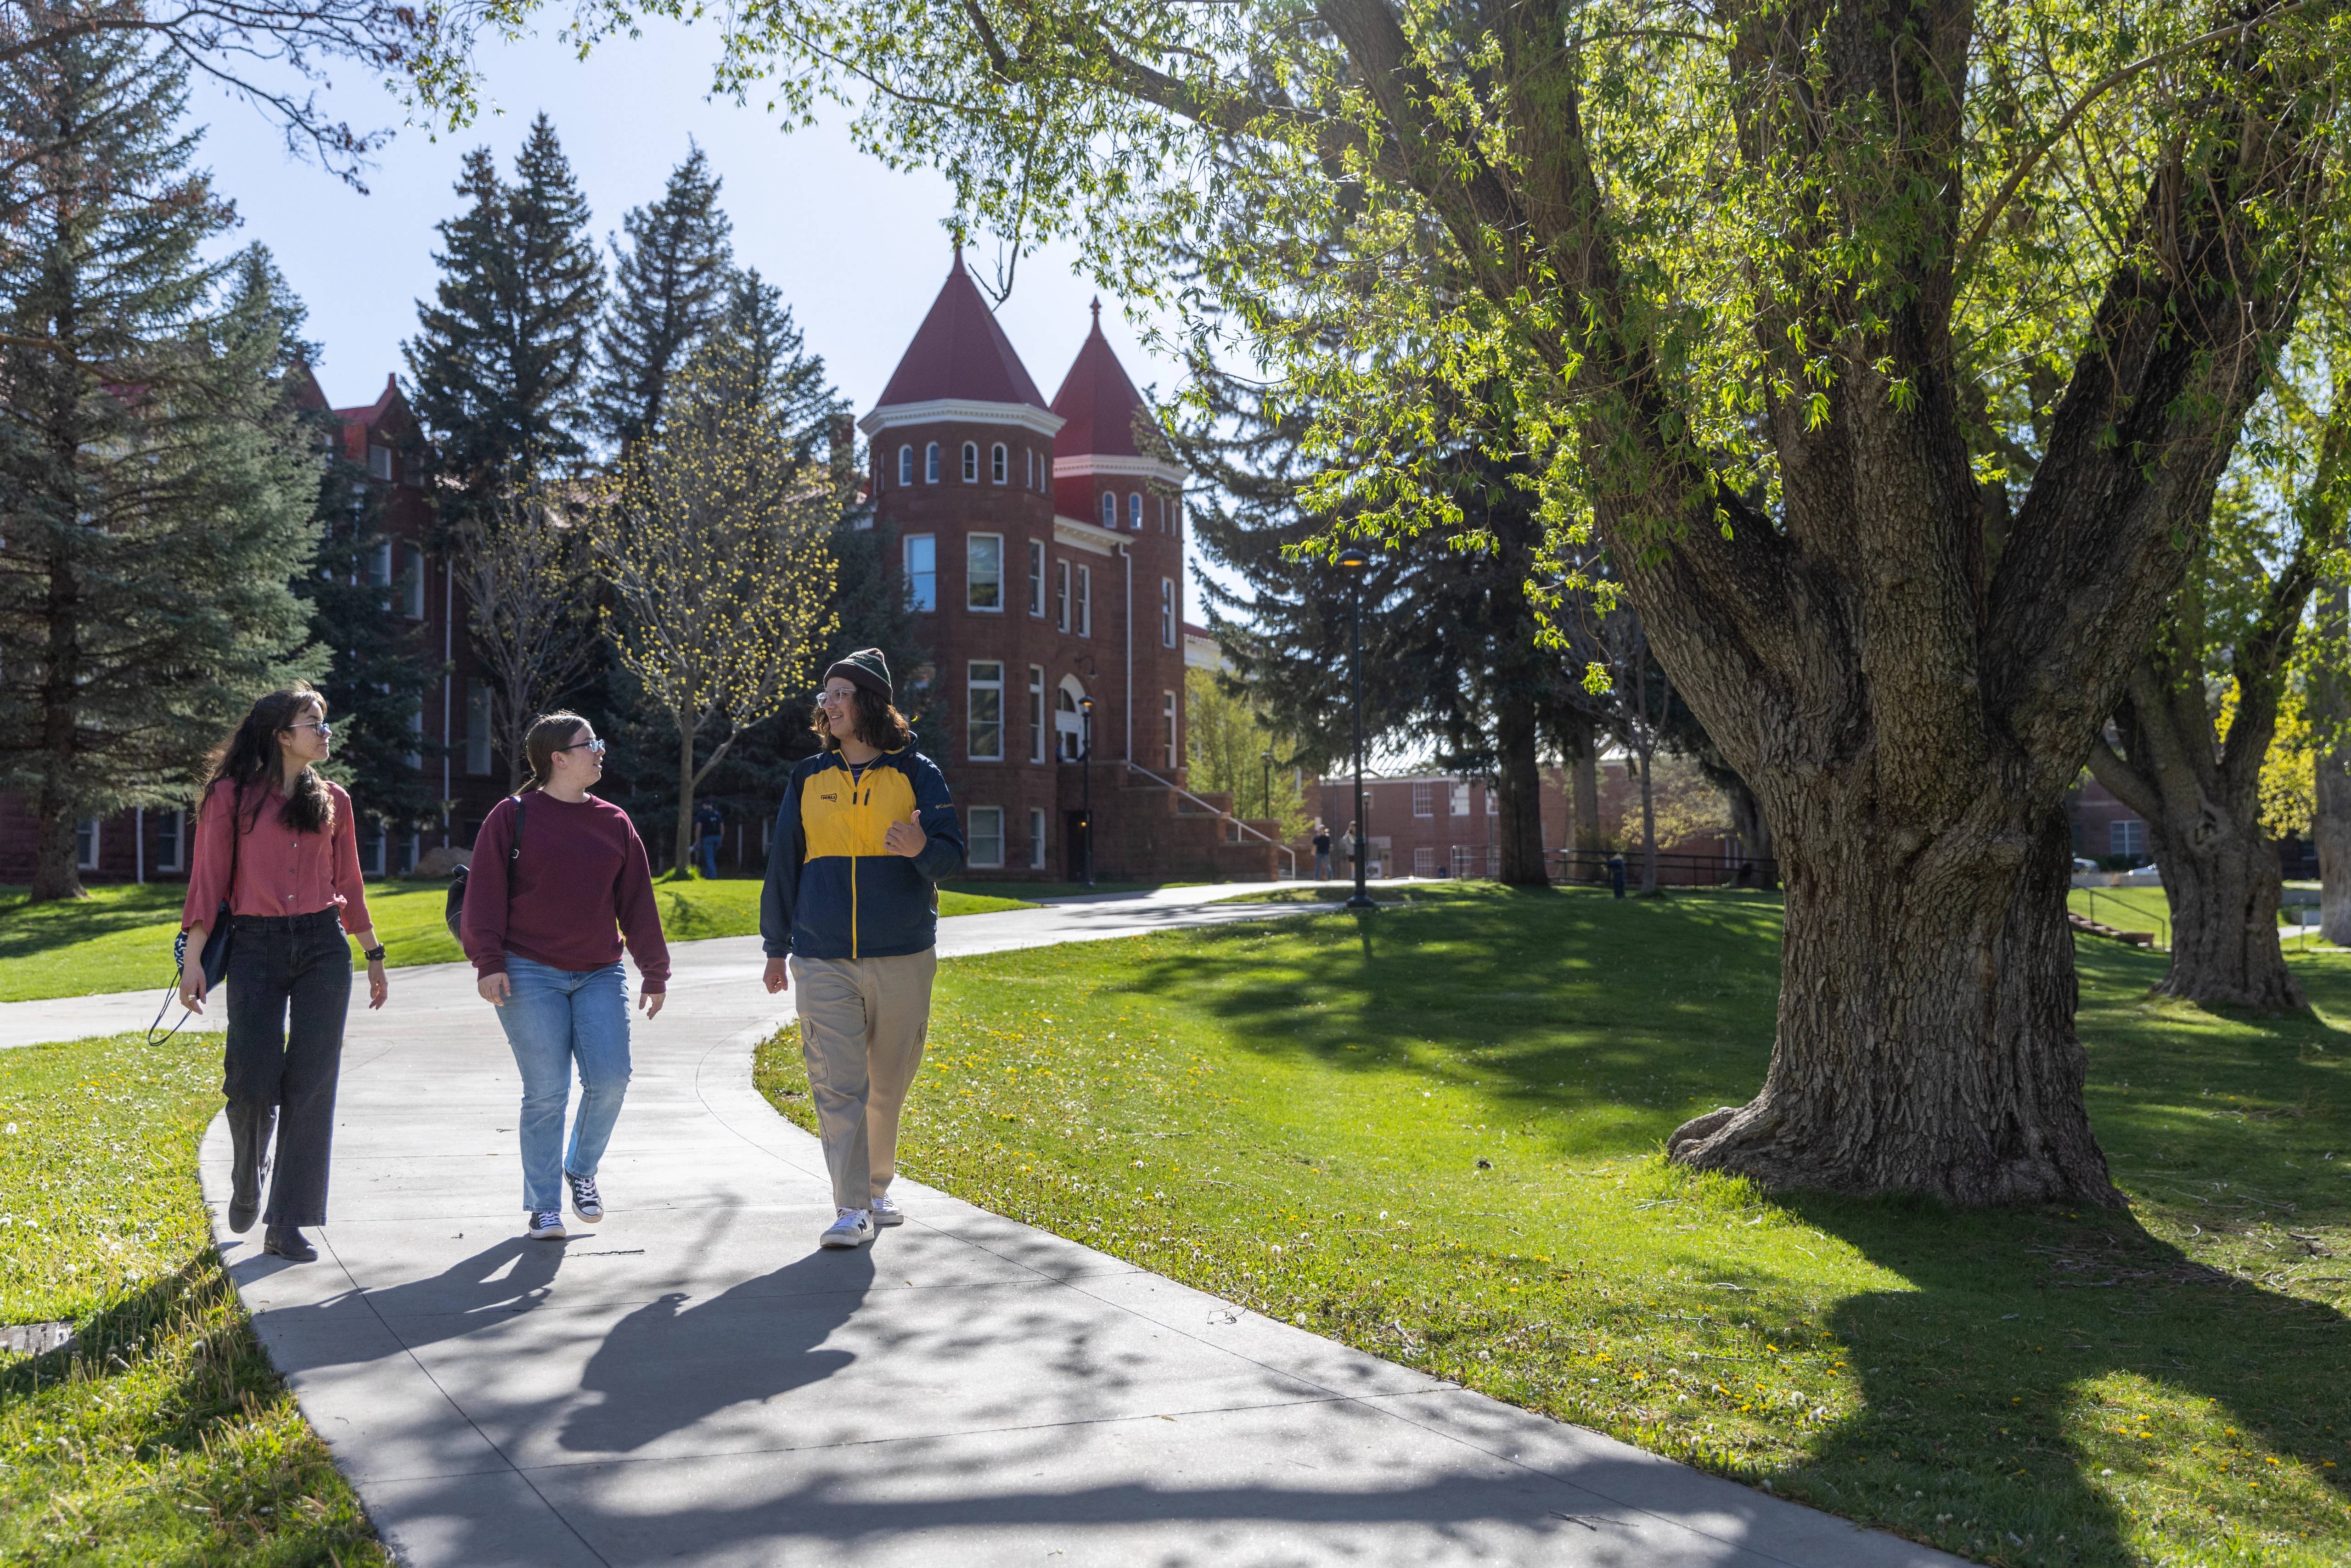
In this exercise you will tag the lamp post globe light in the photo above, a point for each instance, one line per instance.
(1086, 789)
(1352, 559)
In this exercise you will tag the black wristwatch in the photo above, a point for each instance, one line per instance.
(374, 955)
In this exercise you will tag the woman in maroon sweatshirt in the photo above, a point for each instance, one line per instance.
(544, 912)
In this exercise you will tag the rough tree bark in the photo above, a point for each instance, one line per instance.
(1518, 805)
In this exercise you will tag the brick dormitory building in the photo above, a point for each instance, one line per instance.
(1043, 551)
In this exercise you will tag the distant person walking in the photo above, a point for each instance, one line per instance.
(851, 915)
(710, 829)
(280, 845)
(1347, 848)
(1321, 853)
(558, 877)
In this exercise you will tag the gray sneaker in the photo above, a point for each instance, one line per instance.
(585, 1203)
(547, 1224)
(854, 1227)
(887, 1212)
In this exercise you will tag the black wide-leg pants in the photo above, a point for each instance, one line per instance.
(289, 987)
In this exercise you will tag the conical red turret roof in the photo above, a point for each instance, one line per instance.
(1097, 402)
(959, 353)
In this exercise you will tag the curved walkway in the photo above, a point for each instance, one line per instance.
(695, 1382)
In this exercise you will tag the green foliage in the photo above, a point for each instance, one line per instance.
(499, 364)
(156, 482)
(1428, 1137)
(161, 1435)
(1229, 742)
(669, 286)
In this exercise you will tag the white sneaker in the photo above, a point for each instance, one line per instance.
(547, 1224)
(887, 1212)
(853, 1229)
(586, 1202)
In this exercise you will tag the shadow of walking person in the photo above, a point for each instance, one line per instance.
(511, 1275)
(667, 1365)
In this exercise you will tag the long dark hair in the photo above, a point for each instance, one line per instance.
(548, 734)
(878, 722)
(251, 757)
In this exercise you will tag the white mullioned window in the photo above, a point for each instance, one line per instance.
(1167, 716)
(931, 462)
(412, 582)
(1036, 838)
(1135, 510)
(984, 846)
(1167, 612)
(2127, 837)
(999, 466)
(379, 463)
(1424, 861)
(906, 467)
(921, 552)
(171, 841)
(1459, 789)
(1085, 627)
(1037, 727)
(1466, 858)
(86, 844)
(1061, 595)
(983, 571)
(1424, 798)
(984, 712)
(1109, 510)
(971, 461)
(1036, 577)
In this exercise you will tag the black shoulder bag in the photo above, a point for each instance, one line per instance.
(214, 959)
(455, 913)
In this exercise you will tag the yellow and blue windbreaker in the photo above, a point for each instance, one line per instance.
(834, 890)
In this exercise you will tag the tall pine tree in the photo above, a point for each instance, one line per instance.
(500, 360)
(669, 285)
(155, 481)
(759, 325)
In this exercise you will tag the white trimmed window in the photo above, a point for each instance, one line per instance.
(478, 729)
(971, 461)
(1424, 861)
(907, 465)
(1167, 612)
(372, 846)
(412, 582)
(1085, 627)
(1424, 798)
(1493, 799)
(1167, 718)
(1028, 457)
(931, 462)
(1036, 838)
(1037, 727)
(1109, 510)
(85, 844)
(1068, 720)
(985, 826)
(983, 571)
(1061, 595)
(1036, 577)
(171, 841)
(921, 552)
(984, 717)
(2127, 837)
(1135, 510)
(1460, 792)
(1466, 858)
(380, 569)
(999, 465)
(379, 463)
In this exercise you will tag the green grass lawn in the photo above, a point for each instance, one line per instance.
(1435, 1135)
(120, 938)
(160, 1435)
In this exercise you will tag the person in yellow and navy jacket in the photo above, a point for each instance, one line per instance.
(849, 922)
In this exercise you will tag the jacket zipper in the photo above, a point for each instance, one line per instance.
(853, 860)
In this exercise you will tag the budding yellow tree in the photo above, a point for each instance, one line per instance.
(523, 568)
(714, 540)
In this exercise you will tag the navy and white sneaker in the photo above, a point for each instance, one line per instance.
(887, 1212)
(547, 1224)
(584, 1201)
(854, 1227)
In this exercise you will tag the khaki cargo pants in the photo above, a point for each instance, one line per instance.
(863, 1025)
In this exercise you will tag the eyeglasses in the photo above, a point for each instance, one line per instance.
(326, 731)
(592, 743)
(836, 695)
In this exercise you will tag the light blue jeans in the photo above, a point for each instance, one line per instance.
(553, 1018)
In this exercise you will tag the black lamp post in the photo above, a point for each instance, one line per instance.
(1352, 559)
(1086, 787)
(1267, 793)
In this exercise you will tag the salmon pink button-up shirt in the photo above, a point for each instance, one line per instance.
(278, 869)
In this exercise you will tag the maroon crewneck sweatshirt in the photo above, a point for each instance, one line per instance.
(580, 882)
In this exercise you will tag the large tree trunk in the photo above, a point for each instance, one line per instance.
(1583, 770)
(1754, 832)
(2330, 699)
(55, 866)
(1925, 1032)
(1648, 828)
(1518, 802)
(2220, 876)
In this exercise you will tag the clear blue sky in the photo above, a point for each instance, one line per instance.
(858, 249)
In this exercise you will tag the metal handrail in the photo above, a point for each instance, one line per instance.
(1214, 810)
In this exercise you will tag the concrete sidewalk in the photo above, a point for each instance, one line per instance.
(695, 1382)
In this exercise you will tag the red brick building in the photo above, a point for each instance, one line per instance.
(451, 726)
(1043, 551)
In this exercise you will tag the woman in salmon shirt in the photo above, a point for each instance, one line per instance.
(293, 844)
